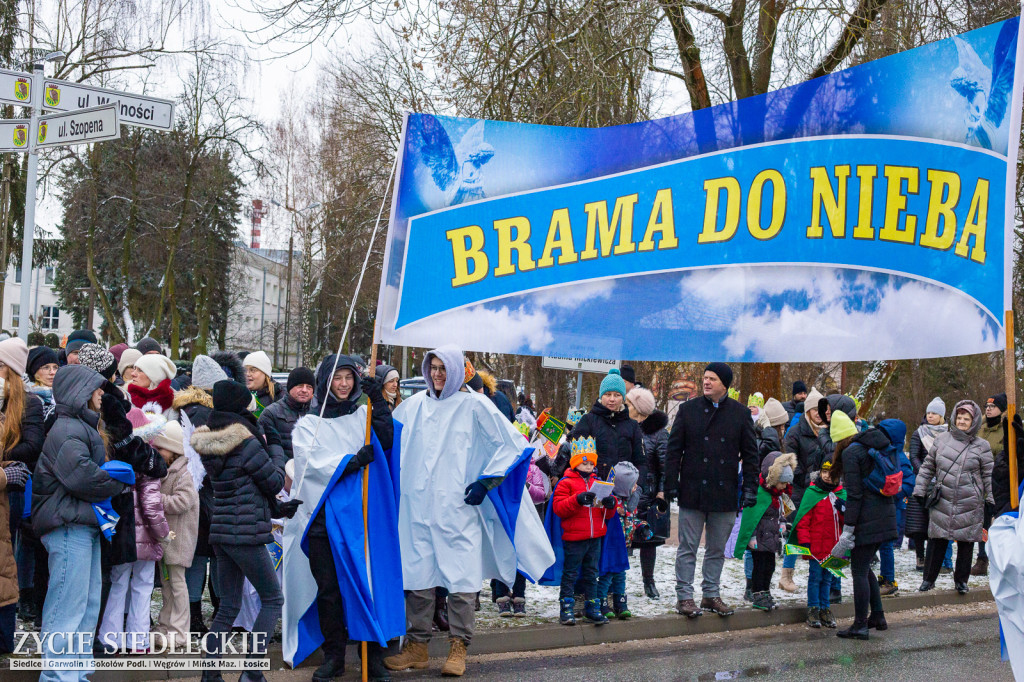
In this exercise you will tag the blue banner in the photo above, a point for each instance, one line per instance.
(857, 216)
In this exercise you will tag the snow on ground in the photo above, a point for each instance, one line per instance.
(542, 602)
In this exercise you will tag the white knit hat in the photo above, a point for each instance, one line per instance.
(14, 354)
(260, 361)
(811, 401)
(170, 438)
(156, 367)
(128, 358)
(936, 406)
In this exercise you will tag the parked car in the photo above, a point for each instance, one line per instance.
(410, 387)
(280, 377)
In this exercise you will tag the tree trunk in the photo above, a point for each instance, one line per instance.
(689, 53)
(203, 316)
(763, 377)
(116, 335)
(874, 384)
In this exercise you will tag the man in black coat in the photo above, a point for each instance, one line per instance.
(797, 403)
(710, 438)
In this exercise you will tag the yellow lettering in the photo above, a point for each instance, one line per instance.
(896, 204)
(713, 188)
(507, 244)
(662, 221)
(977, 223)
(622, 222)
(559, 237)
(864, 229)
(943, 183)
(778, 204)
(834, 204)
(467, 245)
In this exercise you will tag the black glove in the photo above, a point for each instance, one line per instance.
(586, 499)
(373, 387)
(749, 499)
(111, 389)
(363, 457)
(608, 502)
(283, 510)
(17, 475)
(115, 419)
(475, 493)
(1018, 426)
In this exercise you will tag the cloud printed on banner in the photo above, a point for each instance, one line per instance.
(740, 314)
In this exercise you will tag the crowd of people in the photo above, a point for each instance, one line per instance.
(122, 466)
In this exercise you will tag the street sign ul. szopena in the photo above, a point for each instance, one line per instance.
(134, 110)
(80, 126)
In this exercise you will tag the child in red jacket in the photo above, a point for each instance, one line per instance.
(819, 523)
(583, 528)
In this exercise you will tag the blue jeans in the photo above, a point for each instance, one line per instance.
(73, 597)
(611, 583)
(887, 561)
(947, 562)
(789, 561)
(819, 584)
(195, 577)
(748, 564)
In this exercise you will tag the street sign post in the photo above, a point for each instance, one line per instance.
(86, 114)
(80, 126)
(135, 110)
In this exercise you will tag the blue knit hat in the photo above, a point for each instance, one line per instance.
(613, 382)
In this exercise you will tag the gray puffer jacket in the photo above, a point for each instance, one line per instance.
(68, 478)
(961, 465)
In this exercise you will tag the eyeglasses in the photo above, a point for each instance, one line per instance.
(438, 369)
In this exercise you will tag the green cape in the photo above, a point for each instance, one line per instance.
(751, 517)
(812, 496)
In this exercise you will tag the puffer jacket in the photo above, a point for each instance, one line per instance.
(282, 417)
(68, 478)
(618, 439)
(819, 529)
(243, 477)
(655, 442)
(872, 514)
(181, 508)
(960, 463)
(579, 522)
(150, 523)
(803, 442)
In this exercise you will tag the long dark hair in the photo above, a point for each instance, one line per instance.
(836, 472)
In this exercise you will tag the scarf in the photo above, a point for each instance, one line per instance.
(929, 432)
(45, 394)
(162, 396)
(810, 423)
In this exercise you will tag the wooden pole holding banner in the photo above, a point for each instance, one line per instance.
(1010, 369)
(366, 495)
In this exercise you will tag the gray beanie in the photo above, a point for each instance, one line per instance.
(936, 406)
(626, 476)
(206, 372)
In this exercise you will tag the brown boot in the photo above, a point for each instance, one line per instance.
(414, 655)
(455, 666)
(786, 580)
(980, 567)
(716, 605)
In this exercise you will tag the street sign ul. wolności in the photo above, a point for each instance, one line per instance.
(79, 126)
(134, 110)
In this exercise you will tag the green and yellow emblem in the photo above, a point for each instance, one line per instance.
(42, 133)
(22, 90)
(20, 136)
(52, 94)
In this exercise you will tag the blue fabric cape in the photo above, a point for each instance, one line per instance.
(508, 495)
(614, 554)
(371, 615)
(106, 517)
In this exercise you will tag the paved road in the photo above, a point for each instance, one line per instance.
(945, 643)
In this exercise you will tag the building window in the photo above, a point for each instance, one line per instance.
(50, 272)
(16, 314)
(17, 275)
(51, 317)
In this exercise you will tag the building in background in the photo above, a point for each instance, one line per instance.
(45, 315)
(258, 314)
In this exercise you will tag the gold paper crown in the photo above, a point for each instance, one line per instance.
(575, 414)
(584, 446)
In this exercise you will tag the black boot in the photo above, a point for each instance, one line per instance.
(877, 621)
(855, 631)
(651, 590)
(375, 661)
(749, 594)
(212, 676)
(195, 611)
(27, 604)
(333, 666)
(252, 676)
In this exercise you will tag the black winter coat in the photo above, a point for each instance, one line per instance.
(655, 444)
(706, 448)
(767, 441)
(282, 417)
(1001, 468)
(618, 439)
(872, 514)
(916, 516)
(33, 432)
(244, 480)
(802, 442)
(503, 404)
